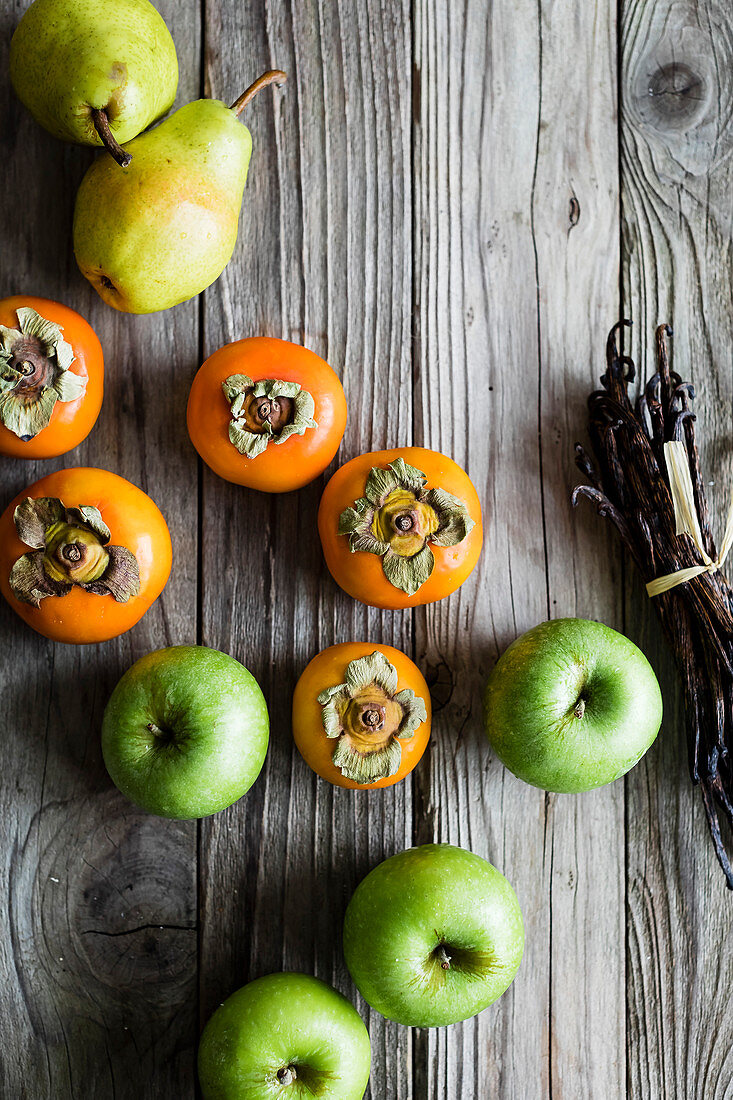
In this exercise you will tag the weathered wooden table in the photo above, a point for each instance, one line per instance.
(451, 205)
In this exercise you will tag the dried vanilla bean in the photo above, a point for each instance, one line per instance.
(629, 484)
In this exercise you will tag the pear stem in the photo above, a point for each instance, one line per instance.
(272, 76)
(113, 147)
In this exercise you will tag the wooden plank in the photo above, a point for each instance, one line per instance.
(476, 243)
(677, 77)
(98, 952)
(324, 258)
(576, 235)
(517, 270)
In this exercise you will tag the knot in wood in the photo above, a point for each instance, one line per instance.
(677, 95)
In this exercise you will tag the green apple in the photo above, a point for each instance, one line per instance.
(94, 71)
(288, 1036)
(572, 705)
(185, 732)
(433, 935)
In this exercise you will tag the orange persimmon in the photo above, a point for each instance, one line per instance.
(266, 413)
(361, 715)
(51, 378)
(83, 555)
(401, 527)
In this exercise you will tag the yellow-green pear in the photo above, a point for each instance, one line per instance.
(96, 72)
(163, 229)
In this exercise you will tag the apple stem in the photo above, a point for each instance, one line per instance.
(109, 141)
(286, 1075)
(579, 710)
(272, 76)
(443, 957)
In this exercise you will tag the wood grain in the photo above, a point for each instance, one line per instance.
(677, 91)
(433, 206)
(575, 219)
(523, 200)
(98, 947)
(324, 258)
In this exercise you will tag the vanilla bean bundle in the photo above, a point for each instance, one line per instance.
(630, 484)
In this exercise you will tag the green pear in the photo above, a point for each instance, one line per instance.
(160, 231)
(96, 72)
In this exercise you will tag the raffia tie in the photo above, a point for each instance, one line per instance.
(687, 523)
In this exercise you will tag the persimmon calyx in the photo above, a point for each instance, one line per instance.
(398, 519)
(70, 546)
(267, 411)
(368, 718)
(34, 373)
